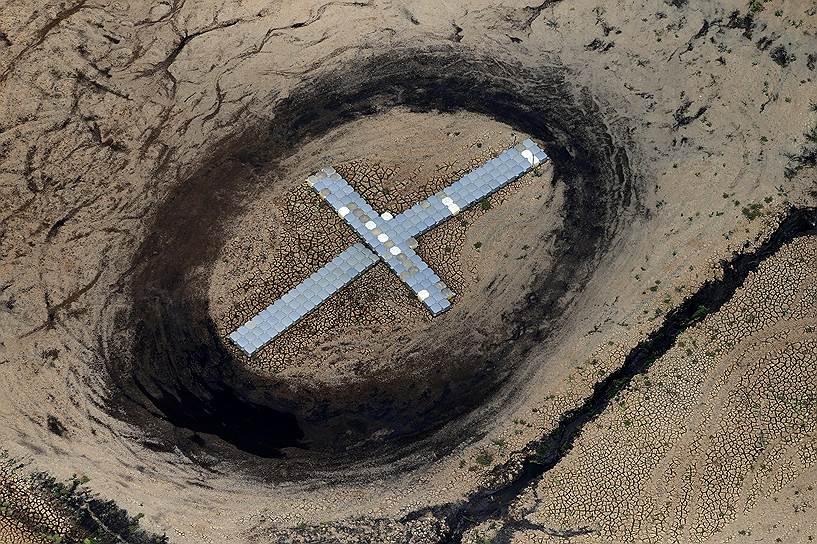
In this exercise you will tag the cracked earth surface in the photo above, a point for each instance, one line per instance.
(111, 110)
(338, 342)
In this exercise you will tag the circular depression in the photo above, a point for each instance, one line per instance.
(173, 374)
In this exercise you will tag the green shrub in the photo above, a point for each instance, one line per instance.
(484, 459)
(752, 211)
(699, 314)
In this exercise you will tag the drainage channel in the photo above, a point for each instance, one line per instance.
(545, 453)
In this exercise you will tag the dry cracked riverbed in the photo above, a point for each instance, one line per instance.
(631, 354)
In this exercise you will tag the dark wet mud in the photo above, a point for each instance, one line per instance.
(171, 371)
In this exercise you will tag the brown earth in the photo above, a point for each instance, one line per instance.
(147, 149)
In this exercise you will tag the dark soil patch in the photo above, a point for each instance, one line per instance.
(55, 426)
(173, 372)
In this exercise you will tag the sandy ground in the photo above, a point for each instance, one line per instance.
(111, 111)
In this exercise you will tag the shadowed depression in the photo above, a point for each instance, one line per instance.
(171, 369)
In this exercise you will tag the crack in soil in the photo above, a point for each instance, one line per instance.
(544, 454)
(173, 372)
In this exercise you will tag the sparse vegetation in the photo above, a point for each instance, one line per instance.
(699, 314)
(752, 211)
(756, 6)
(92, 520)
(807, 158)
(484, 459)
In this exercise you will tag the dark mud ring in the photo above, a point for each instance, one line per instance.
(169, 367)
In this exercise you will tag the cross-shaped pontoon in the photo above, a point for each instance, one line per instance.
(386, 238)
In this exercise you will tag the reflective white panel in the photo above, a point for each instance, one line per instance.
(388, 238)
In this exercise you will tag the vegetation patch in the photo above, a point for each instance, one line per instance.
(86, 519)
(753, 211)
(807, 158)
(756, 6)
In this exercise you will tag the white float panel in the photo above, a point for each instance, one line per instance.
(303, 298)
(471, 188)
(393, 250)
(388, 238)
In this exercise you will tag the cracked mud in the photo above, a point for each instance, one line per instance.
(601, 377)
